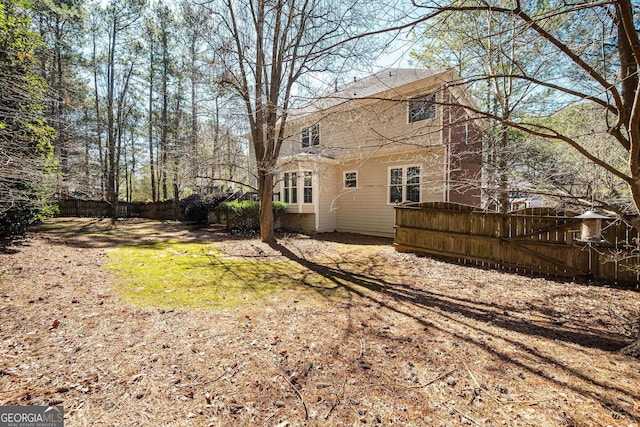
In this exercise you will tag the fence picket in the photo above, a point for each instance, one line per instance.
(101, 209)
(540, 240)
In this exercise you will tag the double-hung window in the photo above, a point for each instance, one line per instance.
(307, 187)
(422, 108)
(350, 179)
(291, 187)
(286, 183)
(311, 136)
(404, 184)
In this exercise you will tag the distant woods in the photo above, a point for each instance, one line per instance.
(128, 100)
(131, 96)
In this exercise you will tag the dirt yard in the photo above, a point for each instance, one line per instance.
(397, 340)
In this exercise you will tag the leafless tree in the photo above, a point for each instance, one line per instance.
(269, 47)
(119, 16)
(595, 50)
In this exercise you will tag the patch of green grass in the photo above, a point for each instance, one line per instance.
(198, 275)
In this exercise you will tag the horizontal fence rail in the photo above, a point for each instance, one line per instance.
(101, 209)
(533, 240)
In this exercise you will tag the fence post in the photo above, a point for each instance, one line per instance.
(502, 233)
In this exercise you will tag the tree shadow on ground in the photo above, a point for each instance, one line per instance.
(352, 239)
(107, 233)
(407, 300)
(10, 246)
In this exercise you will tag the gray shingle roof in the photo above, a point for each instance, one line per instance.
(370, 86)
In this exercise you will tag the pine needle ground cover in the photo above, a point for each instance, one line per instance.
(330, 330)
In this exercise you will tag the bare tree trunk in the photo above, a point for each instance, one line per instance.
(98, 117)
(164, 114)
(87, 156)
(125, 154)
(133, 164)
(193, 154)
(61, 140)
(265, 192)
(112, 197)
(176, 186)
(503, 172)
(118, 157)
(216, 163)
(176, 138)
(628, 68)
(152, 173)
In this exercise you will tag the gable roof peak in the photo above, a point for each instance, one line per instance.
(386, 79)
(370, 86)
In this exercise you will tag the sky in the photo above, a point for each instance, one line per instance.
(398, 55)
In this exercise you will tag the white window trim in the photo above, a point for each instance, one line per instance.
(284, 189)
(290, 187)
(418, 98)
(404, 182)
(310, 136)
(344, 180)
(299, 187)
(467, 131)
(302, 187)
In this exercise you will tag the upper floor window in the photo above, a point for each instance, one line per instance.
(404, 184)
(311, 136)
(350, 179)
(467, 132)
(422, 108)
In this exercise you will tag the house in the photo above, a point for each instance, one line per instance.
(398, 136)
(523, 201)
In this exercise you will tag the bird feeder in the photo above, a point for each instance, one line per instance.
(592, 227)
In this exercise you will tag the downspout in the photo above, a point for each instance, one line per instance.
(315, 183)
(447, 149)
(299, 188)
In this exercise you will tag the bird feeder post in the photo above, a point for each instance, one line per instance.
(591, 233)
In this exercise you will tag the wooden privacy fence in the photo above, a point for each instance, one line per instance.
(102, 209)
(533, 240)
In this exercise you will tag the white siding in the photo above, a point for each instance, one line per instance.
(319, 216)
(365, 209)
(380, 127)
(328, 181)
